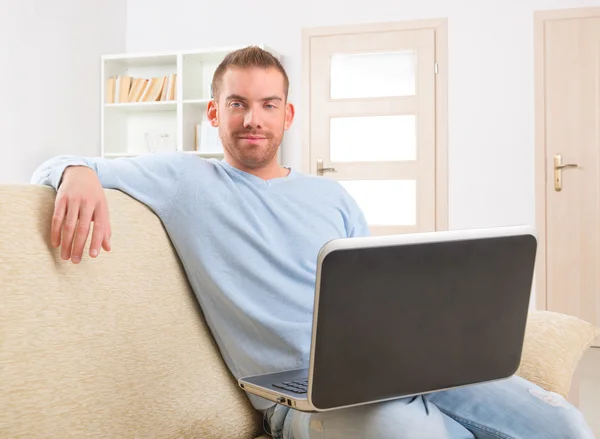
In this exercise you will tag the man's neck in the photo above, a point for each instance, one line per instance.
(267, 172)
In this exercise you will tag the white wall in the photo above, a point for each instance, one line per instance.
(491, 95)
(49, 71)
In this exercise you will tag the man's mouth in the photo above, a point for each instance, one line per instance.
(253, 140)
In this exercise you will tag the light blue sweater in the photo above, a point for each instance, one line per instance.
(249, 246)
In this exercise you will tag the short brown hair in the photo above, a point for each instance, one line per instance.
(251, 56)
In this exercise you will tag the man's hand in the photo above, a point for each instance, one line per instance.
(79, 201)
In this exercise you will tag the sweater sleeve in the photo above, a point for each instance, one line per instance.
(359, 227)
(152, 179)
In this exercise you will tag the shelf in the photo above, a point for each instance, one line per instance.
(196, 101)
(143, 106)
(141, 60)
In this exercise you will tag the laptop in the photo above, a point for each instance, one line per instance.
(404, 315)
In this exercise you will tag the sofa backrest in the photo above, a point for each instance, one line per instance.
(112, 347)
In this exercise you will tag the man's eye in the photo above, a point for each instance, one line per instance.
(236, 104)
(270, 106)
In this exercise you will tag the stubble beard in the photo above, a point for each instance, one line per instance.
(249, 155)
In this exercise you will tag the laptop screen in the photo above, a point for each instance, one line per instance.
(415, 318)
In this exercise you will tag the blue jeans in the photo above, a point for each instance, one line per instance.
(509, 409)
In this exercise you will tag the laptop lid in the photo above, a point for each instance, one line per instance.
(408, 314)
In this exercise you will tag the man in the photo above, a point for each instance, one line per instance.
(248, 232)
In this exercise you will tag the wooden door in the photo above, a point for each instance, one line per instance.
(372, 115)
(568, 150)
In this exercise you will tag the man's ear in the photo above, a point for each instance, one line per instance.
(289, 115)
(212, 113)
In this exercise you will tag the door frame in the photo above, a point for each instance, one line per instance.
(540, 18)
(440, 27)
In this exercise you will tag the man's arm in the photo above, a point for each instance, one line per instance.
(153, 179)
(357, 225)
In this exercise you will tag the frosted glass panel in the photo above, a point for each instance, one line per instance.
(372, 75)
(385, 202)
(373, 138)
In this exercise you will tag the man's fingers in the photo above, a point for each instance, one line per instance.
(58, 217)
(106, 242)
(82, 232)
(101, 235)
(80, 202)
(69, 229)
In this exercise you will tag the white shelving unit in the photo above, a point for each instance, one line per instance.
(132, 128)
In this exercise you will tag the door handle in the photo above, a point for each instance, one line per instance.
(558, 167)
(321, 169)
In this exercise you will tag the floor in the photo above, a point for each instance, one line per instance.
(589, 391)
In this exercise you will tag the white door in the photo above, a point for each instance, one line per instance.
(568, 77)
(372, 122)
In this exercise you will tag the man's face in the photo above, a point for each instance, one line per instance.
(252, 113)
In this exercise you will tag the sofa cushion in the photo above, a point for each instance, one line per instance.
(554, 345)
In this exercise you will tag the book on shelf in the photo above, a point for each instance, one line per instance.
(128, 89)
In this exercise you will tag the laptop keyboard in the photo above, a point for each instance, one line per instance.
(298, 386)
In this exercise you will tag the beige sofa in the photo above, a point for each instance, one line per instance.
(115, 347)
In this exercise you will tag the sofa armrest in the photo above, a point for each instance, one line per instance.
(554, 345)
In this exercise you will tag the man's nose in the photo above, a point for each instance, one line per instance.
(252, 119)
